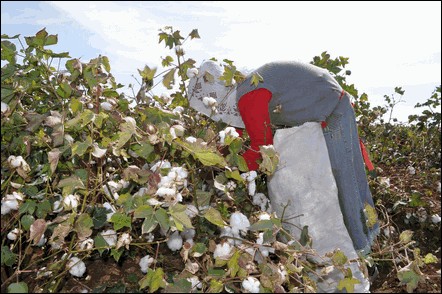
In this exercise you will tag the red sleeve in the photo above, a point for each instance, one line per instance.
(254, 110)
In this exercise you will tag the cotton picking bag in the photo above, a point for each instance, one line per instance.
(304, 186)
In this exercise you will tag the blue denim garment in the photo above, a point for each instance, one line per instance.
(342, 141)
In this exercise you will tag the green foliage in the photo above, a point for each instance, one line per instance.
(92, 161)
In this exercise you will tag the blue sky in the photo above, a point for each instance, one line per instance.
(389, 43)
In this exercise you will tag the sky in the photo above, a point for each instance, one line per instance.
(389, 44)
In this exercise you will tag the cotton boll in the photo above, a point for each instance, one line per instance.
(13, 234)
(188, 234)
(222, 250)
(42, 241)
(145, 263)
(109, 206)
(76, 267)
(191, 72)
(251, 285)
(163, 192)
(196, 284)
(98, 152)
(435, 218)
(411, 170)
(57, 206)
(9, 202)
(191, 211)
(86, 244)
(191, 139)
(4, 107)
(110, 237)
(178, 110)
(106, 106)
(160, 165)
(124, 240)
(239, 222)
(71, 202)
(175, 241)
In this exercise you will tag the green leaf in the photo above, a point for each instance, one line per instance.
(178, 213)
(206, 155)
(233, 264)
(120, 220)
(100, 243)
(20, 287)
(83, 226)
(372, 218)
(348, 284)
(8, 257)
(167, 61)
(214, 216)
(215, 286)
(154, 279)
(405, 236)
(70, 184)
(144, 150)
(43, 208)
(99, 217)
(430, 258)
(80, 148)
(194, 34)
(26, 221)
(116, 254)
(169, 79)
(180, 286)
(64, 90)
(262, 225)
(163, 219)
(270, 160)
(143, 211)
(339, 258)
(9, 52)
(256, 79)
(149, 224)
(409, 277)
(28, 207)
(106, 63)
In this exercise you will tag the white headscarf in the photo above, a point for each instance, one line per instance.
(207, 84)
